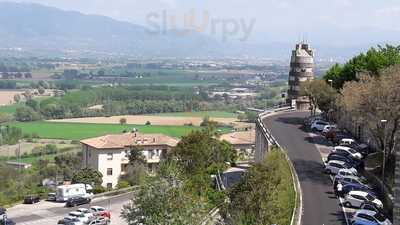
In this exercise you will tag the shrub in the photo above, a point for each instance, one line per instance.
(123, 184)
(122, 121)
(99, 189)
(148, 123)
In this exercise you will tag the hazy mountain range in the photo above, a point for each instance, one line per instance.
(37, 29)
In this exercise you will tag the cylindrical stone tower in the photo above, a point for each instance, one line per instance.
(301, 70)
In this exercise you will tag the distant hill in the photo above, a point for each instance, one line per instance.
(33, 27)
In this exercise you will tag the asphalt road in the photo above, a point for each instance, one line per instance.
(48, 213)
(320, 205)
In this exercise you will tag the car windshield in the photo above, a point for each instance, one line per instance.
(369, 197)
(352, 151)
(380, 217)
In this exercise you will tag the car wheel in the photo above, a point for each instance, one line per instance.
(347, 204)
(328, 171)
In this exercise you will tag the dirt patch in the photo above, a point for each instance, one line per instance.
(7, 97)
(26, 147)
(154, 120)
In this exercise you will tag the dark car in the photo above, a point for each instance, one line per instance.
(7, 222)
(346, 188)
(340, 157)
(31, 199)
(2, 211)
(77, 201)
(372, 207)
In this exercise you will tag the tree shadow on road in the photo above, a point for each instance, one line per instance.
(309, 170)
(340, 218)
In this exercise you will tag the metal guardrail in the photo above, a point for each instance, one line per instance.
(296, 216)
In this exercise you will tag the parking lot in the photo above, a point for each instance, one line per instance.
(48, 213)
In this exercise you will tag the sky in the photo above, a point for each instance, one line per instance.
(322, 21)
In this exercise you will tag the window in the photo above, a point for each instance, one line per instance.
(109, 185)
(110, 156)
(109, 171)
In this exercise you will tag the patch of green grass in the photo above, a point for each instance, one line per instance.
(217, 114)
(10, 108)
(79, 131)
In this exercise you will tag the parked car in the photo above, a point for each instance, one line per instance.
(370, 216)
(2, 211)
(81, 216)
(328, 128)
(371, 207)
(100, 211)
(343, 189)
(364, 222)
(347, 151)
(345, 173)
(70, 220)
(51, 197)
(351, 180)
(333, 167)
(318, 125)
(31, 199)
(86, 212)
(72, 202)
(100, 221)
(358, 164)
(7, 222)
(356, 198)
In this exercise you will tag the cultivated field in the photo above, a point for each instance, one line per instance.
(154, 120)
(216, 114)
(7, 97)
(79, 131)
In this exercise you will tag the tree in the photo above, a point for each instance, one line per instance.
(373, 99)
(33, 104)
(88, 176)
(200, 152)
(265, 195)
(26, 114)
(164, 201)
(321, 95)
(241, 117)
(371, 62)
(41, 90)
(68, 164)
(251, 116)
(122, 121)
(17, 98)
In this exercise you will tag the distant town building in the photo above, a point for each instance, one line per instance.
(243, 142)
(301, 70)
(109, 154)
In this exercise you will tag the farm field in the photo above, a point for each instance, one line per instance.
(7, 97)
(79, 131)
(216, 114)
(153, 119)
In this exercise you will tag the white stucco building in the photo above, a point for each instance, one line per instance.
(109, 154)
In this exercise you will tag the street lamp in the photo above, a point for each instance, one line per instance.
(384, 122)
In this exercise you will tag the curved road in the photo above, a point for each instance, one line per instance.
(320, 205)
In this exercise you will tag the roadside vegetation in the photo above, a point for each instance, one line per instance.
(266, 194)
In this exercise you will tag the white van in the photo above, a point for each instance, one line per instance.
(64, 192)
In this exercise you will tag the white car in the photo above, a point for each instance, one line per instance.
(357, 198)
(328, 128)
(347, 141)
(370, 216)
(86, 212)
(318, 125)
(80, 216)
(333, 167)
(348, 151)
